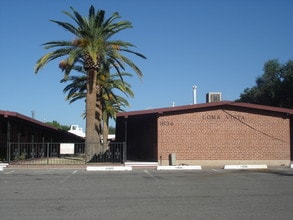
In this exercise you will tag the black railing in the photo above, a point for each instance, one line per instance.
(116, 153)
(61, 153)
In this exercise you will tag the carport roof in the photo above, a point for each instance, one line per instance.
(210, 105)
(19, 117)
(15, 115)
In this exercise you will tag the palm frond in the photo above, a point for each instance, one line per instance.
(67, 26)
(52, 44)
(99, 19)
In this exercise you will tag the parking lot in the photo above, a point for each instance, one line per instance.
(146, 194)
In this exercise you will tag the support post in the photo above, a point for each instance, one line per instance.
(8, 153)
(125, 142)
(48, 152)
(124, 152)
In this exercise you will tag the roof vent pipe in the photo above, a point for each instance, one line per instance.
(194, 88)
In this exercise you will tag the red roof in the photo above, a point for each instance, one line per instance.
(207, 106)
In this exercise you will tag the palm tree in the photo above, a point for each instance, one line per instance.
(110, 102)
(92, 48)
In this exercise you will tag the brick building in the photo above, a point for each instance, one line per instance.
(217, 133)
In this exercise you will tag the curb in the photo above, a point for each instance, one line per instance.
(178, 167)
(3, 165)
(243, 166)
(109, 168)
(141, 164)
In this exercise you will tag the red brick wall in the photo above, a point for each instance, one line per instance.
(223, 135)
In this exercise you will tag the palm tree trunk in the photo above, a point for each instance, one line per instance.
(105, 132)
(99, 118)
(91, 140)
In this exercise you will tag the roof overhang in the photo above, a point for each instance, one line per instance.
(207, 106)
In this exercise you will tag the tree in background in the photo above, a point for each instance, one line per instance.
(286, 90)
(112, 130)
(92, 48)
(58, 125)
(274, 87)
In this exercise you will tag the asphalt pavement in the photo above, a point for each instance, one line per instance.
(146, 194)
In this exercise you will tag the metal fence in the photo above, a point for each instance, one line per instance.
(61, 153)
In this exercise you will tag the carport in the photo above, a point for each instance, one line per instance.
(18, 128)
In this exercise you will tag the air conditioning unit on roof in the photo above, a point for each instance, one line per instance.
(214, 97)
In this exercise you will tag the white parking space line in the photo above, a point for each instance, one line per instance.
(218, 170)
(12, 171)
(148, 173)
(67, 177)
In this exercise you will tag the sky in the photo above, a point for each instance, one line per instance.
(217, 45)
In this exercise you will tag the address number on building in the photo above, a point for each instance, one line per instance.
(166, 123)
